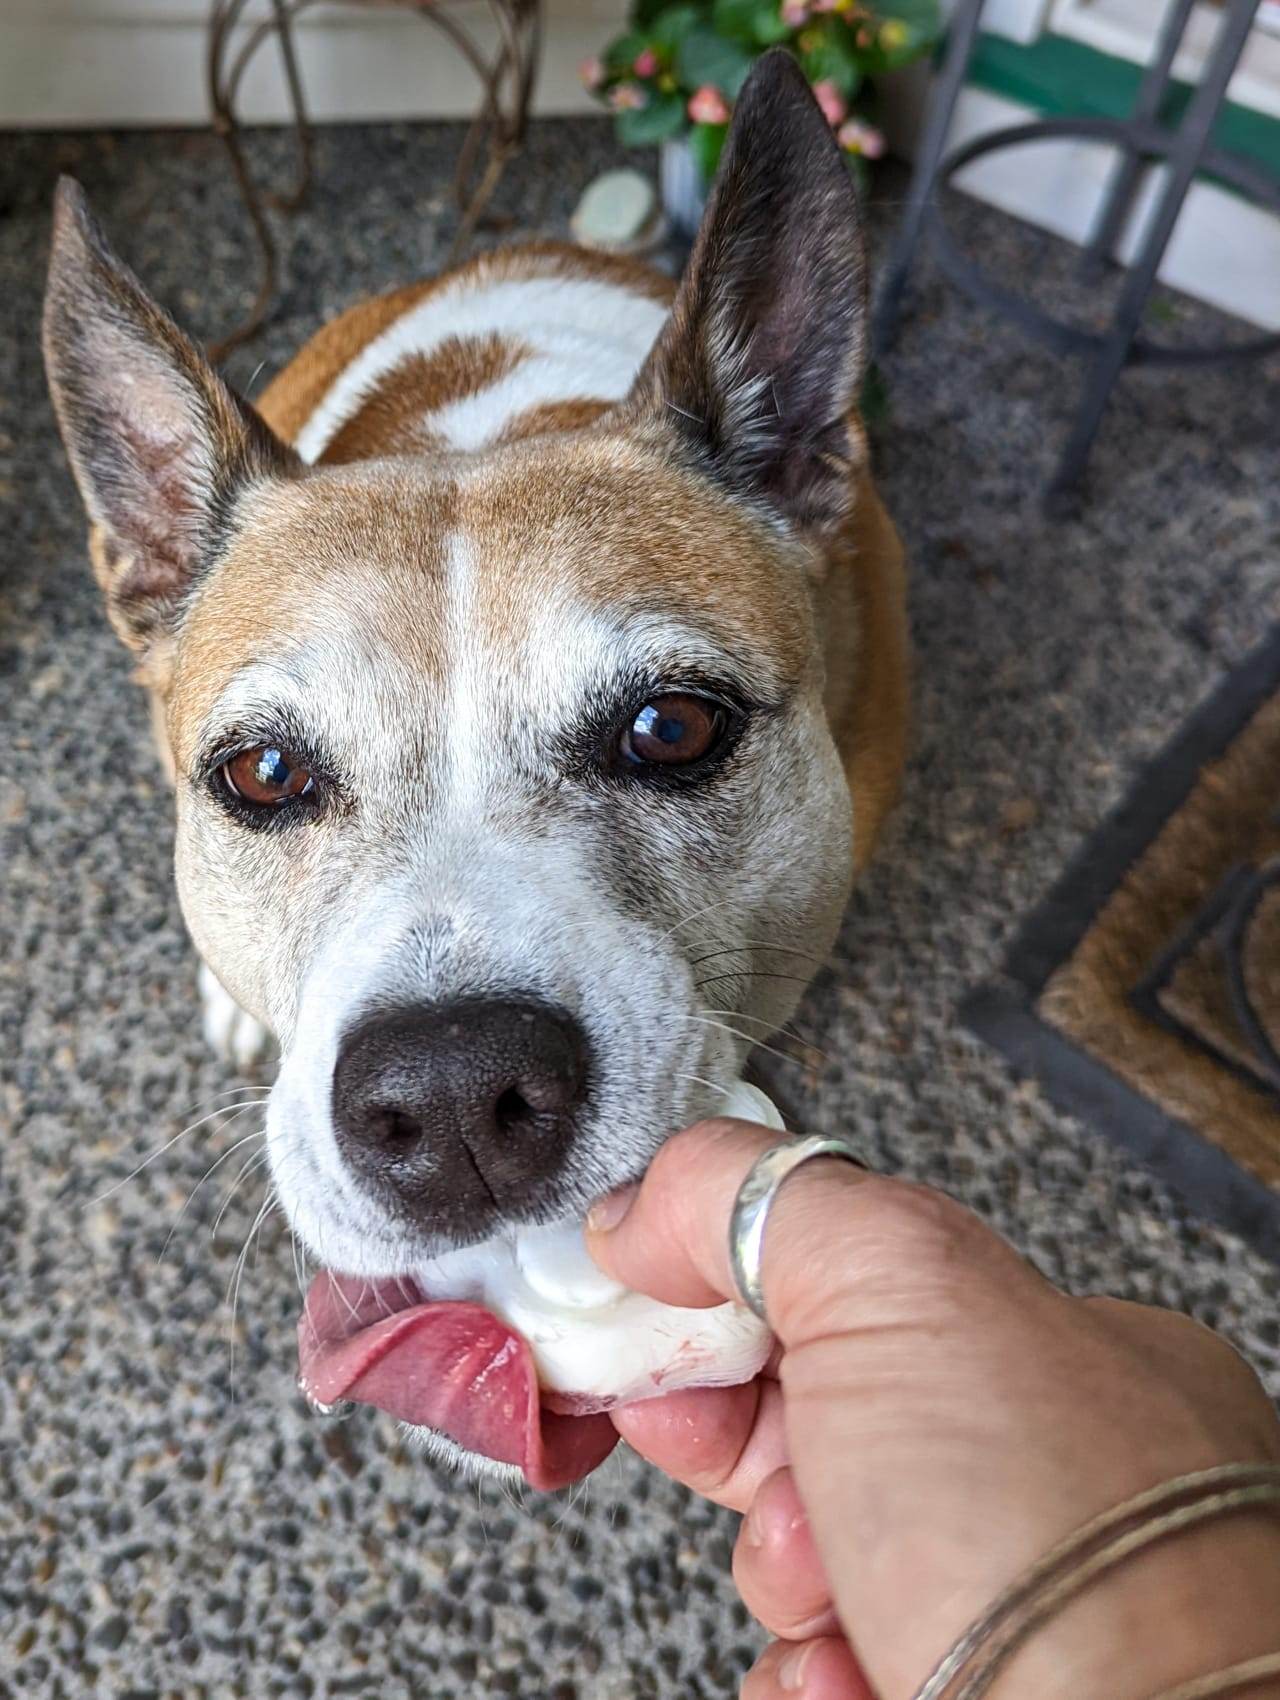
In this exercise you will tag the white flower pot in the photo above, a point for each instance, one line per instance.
(684, 194)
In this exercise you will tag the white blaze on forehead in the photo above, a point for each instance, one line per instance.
(588, 337)
(530, 678)
(463, 724)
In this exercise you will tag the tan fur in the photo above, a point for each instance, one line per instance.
(863, 614)
(394, 417)
(634, 532)
(293, 395)
(453, 621)
(269, 587)
(860, 589)
(554, 416)
(630, 529)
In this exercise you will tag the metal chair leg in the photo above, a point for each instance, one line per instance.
(289, 200)
(223, 81)
(943, 95)
(1193, 138)
(268, 260)
(1118, 196)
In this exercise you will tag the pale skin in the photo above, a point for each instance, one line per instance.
(936, 1418)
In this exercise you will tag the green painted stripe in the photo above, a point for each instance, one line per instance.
(1060, 77)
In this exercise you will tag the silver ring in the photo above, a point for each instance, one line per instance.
(755, 1200)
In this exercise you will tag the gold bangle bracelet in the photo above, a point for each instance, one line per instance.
(968, 1670)
(1224, 1681)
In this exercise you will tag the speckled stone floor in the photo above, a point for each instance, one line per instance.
(173, 1522)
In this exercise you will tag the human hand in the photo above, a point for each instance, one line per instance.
(936, 1418)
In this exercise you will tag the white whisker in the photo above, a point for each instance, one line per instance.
(694, 915)
(254, 1160)
(747, 1039)
(233, 1289)
(223, 1110)
(216, 1164)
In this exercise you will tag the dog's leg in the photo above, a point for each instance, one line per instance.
(234, 1036)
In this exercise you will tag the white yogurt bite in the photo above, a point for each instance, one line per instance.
(594, 1342)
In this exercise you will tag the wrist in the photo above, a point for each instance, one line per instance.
(1203, 1600)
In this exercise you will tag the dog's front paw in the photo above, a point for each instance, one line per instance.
(234, 1036)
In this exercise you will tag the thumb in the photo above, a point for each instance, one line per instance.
(669, 1236)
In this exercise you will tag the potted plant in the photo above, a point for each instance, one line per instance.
(673, 76)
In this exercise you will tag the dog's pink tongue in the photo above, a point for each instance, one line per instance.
(445, 1365)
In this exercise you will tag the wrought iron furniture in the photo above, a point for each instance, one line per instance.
(497, 131)
(1186, 149)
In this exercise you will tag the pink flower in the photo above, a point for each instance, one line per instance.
(857, 137)
(592, 73)
(646, 63)
(831, 101)
(794, 13)
(708, 106)
(628, 97)
(824, 5)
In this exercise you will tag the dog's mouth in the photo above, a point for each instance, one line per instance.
(516, 1347)
(448, 1365)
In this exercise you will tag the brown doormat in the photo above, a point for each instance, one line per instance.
(1145, 992)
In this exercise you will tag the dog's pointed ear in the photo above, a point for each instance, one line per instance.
(159, 445)
(761, 362)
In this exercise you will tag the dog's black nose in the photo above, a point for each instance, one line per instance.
(456, 1114)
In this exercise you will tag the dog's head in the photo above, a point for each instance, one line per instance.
(506, 797)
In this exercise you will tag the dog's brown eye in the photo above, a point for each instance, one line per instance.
(266, 776)
(673, 730)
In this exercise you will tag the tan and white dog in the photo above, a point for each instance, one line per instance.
(530, 665)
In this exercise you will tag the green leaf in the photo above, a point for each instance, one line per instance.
(662, 119)
(922, 16)
(671, 28)
(914, 28)
(645, 13)
(735, 19)
(623, 51)
(829, 54)
(768, 25)
(705, 57)
(757, 23)
(705, 143)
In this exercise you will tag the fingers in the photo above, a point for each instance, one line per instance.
(776, 1565)
(672, 1241)
(844, 1251)
(722, 1442)
(727, 1444)
(820, 1669)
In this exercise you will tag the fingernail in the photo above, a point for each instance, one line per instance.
(608, 1211)
(791, 1668)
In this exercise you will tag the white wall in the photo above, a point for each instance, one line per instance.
(142, 62)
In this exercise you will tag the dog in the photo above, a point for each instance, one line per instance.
(530, 666)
